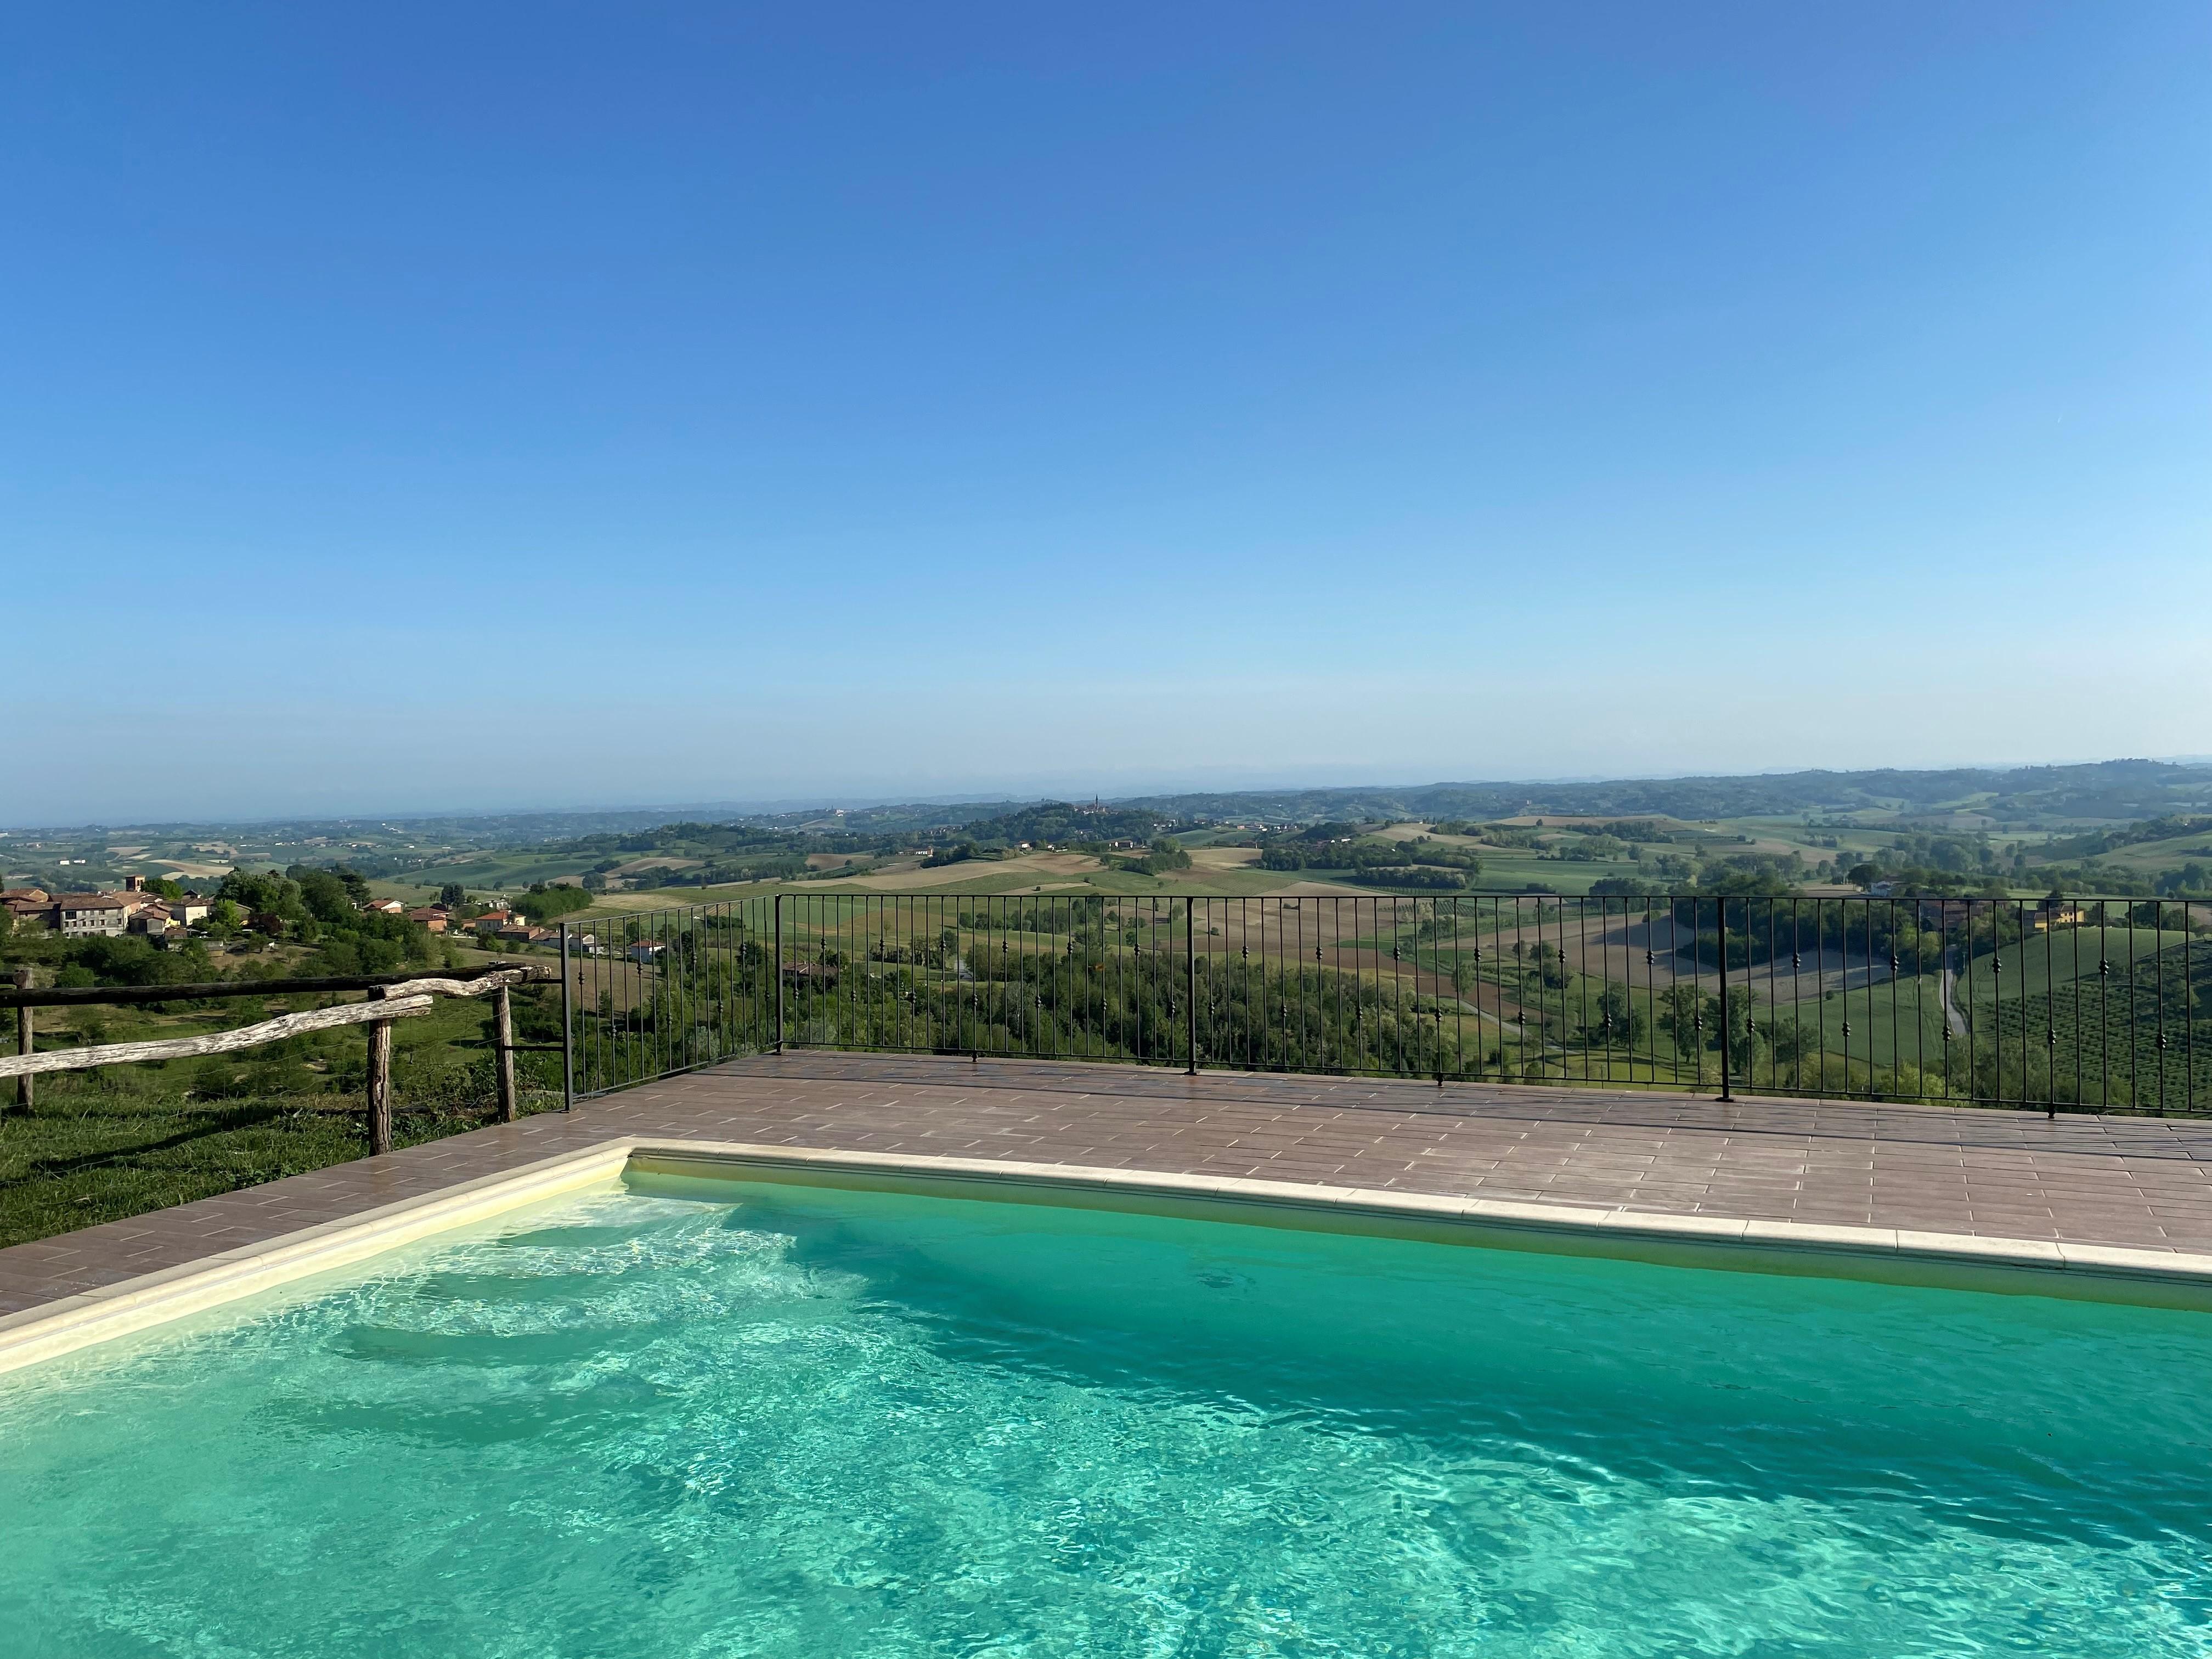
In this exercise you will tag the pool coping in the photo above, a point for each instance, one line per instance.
(2102, 1272)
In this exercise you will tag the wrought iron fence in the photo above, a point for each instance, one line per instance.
(2060, 1005)
(658, 992)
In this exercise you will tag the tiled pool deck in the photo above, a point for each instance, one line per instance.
(2145, 1182)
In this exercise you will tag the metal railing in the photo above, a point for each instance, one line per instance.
(655, 992)
(2094, 1004)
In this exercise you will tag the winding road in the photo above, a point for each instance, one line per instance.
(1951, 1015)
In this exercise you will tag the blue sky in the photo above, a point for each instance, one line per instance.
(424, 407)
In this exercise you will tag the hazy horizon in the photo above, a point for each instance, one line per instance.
(1206, 784)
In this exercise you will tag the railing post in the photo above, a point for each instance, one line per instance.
(779, 973)
(1190, 980)
(380, 1082)
(1727, 1030)
(567, 1030)
(25, 1041)
(502, 1025)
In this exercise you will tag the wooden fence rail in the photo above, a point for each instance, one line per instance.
(25, 996)
(215, 1042)
(389, 1001)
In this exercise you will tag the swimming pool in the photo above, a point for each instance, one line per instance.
(760, 1418)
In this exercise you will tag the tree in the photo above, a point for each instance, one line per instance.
(543, 903)
(1743, 1033)
(453, 894)
(327, 898)
(1619, 1021)
(1786, 1039)
(1681, 1009)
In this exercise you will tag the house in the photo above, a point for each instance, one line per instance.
(431, 916)
(386, 907)
(134, 894)
(645, 950)
(157, 924)
(492, 920)
(80, 916)
(29, 904)
(521, 933)
(189, 910)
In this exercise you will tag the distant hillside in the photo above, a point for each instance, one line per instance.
(2122, 790)
(2086, 804)
(1059, 823)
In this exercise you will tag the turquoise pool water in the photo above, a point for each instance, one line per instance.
(801, 1422)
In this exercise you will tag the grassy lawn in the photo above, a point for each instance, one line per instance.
(127, 1140)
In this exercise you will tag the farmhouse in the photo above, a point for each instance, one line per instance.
(82, 915)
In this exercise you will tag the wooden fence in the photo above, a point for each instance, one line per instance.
(391, 997)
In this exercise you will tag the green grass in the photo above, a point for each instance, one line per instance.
(508, 871)
(120, 1141)
(2151, 858)
(2068, 957)
(1510, 871)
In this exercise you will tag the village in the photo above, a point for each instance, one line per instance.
(164, 915)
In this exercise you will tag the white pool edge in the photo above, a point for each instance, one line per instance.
(1951, 1261)
(54, 1328)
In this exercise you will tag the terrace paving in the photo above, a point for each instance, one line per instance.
(2140, 1181)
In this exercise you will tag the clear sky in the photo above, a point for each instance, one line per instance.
(423, 406)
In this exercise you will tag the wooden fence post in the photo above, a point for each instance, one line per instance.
(503, 1026)
(380, 1082)
(24, 1042)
